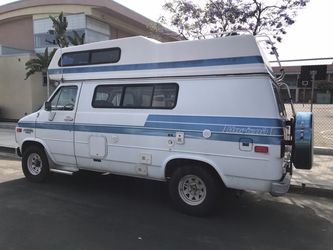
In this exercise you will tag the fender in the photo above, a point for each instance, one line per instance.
(37, 140)
(194, 158)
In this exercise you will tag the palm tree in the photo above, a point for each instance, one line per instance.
(39, 64)
(59, 30)
(76, 39)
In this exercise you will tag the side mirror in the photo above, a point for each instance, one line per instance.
(48, 106)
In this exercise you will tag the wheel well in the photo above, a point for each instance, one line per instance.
(28, 144)
(178, 163)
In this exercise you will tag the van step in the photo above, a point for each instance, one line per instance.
(58, 171)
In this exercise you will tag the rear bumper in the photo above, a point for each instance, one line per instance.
(281, 187)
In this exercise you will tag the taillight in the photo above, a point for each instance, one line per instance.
(261, 149)
(18, 130)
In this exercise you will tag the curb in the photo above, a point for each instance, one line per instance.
(8, 126)
(323, 151)
(311, 190)
(8, 152)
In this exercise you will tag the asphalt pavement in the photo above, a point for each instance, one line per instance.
(113, 212)
(93, 211)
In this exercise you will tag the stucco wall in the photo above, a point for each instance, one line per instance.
(17, 33)
(18, 96)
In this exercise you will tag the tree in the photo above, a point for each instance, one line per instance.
(59, 30)
(39, 64)
(59, 26)
(217, 17)
(76, 39)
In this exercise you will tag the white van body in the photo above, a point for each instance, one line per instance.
(223, 113)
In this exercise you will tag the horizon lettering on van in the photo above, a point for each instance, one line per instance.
(247, 130)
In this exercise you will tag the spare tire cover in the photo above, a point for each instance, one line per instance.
(303, 140)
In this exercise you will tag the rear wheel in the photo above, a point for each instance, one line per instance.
(35, 164)
(194, 190)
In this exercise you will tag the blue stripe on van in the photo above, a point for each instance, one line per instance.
(244, 121)
(232, 129)
(261, 131)
(160, 65)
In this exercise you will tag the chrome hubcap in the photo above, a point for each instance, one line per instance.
(34, 164)
(192, 190)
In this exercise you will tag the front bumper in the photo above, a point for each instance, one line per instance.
(281, 187)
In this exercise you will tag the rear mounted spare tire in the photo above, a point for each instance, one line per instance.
(302, 133)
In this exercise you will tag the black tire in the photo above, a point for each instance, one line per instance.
(35, 164)
(201, 198)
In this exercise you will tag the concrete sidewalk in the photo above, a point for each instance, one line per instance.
(319, 177)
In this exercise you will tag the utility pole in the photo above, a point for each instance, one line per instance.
(313, 74)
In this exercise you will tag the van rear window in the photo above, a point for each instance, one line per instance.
(279, 103)
(138, 96)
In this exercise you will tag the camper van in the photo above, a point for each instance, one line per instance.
(200, 115)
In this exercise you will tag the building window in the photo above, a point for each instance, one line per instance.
(93, 36)
(98, 26)
(93, 29)
(46, 40)
(290, 79)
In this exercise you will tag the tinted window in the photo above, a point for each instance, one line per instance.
(165, 96)
(278, 100)
(70, 59)
(105, 56)
(107, 96)
(64, 99)
(158, 96)
(138, 96)
(90, 57)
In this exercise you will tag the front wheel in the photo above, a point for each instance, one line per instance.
(194, 190)
(35, 164)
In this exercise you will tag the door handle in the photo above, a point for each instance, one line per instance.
(68, 119)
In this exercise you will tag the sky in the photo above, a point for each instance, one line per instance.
(310, 37)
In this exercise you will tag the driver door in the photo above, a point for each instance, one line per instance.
(55, 127)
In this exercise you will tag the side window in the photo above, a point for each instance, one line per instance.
(110, 55)
(76, 58)
(107, 96)
(139, 96)
(165, 96)
(105, 56)
(64, 99)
